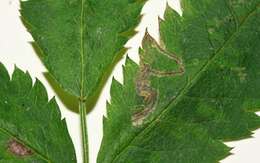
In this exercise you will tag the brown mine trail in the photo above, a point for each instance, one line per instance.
(144, 88)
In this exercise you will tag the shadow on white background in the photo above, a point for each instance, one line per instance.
(16, 49)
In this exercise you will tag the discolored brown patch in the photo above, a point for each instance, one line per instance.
(143, 83)
(144, 90)
(18, 149)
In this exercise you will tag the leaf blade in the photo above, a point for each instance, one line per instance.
(29, 122)
(81, 38)
(194, 111)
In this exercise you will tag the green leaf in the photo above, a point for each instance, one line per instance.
(197, 89)
(31, 129)
(81, 40)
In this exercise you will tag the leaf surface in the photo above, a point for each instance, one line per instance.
(31, 129)
(197, 89)
(81, 40)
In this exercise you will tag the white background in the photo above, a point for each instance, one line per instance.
(15, 49)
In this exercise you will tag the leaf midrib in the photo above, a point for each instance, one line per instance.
(6, 132)
(82, 50)
(174, 101)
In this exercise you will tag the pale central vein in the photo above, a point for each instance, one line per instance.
(188, 85)
(82, 50)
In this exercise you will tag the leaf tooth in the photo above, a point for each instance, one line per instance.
(146, 37)
(168, 9)
(138, 5)
(148, 41)
(4, 76)
(129, 70)
(55, 112)
(108, 107)
(105, 119)
(129, 61)
(111, 112)
(18, 74)
(171, 16)
(21, 82)
(116, 89)
(38, 89)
